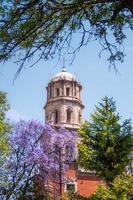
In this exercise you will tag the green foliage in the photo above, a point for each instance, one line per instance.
(76, 196)
(47, 27)
(122, 189)
(106, 143)
(4, 126)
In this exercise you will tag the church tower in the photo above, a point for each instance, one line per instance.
(64, 106)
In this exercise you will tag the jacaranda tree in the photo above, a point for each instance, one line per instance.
(40, 155)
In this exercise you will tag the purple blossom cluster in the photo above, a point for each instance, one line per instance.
(38, 150)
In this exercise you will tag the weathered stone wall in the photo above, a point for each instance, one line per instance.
(64, 96)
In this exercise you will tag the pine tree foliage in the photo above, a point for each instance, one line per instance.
(122, 188)
(47, 27)
(106, 143)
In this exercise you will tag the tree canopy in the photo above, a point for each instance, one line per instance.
(4, 129)
(106, 143)
(122, 188)
(47, 27)
(4, 125)
(37, 161)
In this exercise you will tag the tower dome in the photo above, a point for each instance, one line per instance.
(64, 106)
(63, 75)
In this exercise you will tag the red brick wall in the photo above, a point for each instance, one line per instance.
(86, 184)
(71, 172)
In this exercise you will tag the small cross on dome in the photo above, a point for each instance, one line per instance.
(63, 69)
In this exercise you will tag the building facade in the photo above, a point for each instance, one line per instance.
(64, 108)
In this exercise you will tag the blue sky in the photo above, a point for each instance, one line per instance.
(27, 95)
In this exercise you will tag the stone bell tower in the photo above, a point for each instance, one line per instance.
(64, 106)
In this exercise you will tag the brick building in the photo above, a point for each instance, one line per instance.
(64, 108)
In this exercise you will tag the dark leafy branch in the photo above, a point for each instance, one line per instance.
(47, 27)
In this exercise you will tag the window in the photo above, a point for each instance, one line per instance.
(75, 91)
(50, 92)
(69, 154)
(79, 117)
(70, 187)
(56, 116)
(47, 116)
(57, 151)
(69, 116)
(67, 91)
(57, 92)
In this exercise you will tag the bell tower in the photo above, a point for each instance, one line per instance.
(64, 106)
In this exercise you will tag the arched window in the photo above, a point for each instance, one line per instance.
(56, 116)
(50, 91)
(69, 154)
(67, 91)
(79, 117)
(69, 113)
(70, 187)
(57, 92)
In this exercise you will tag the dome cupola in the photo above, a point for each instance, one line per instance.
(64, 106)
(64, 75)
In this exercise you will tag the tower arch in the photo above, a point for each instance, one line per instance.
(56, 116)
(69, 112)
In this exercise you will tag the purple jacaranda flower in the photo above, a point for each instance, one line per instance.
(38, 150)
